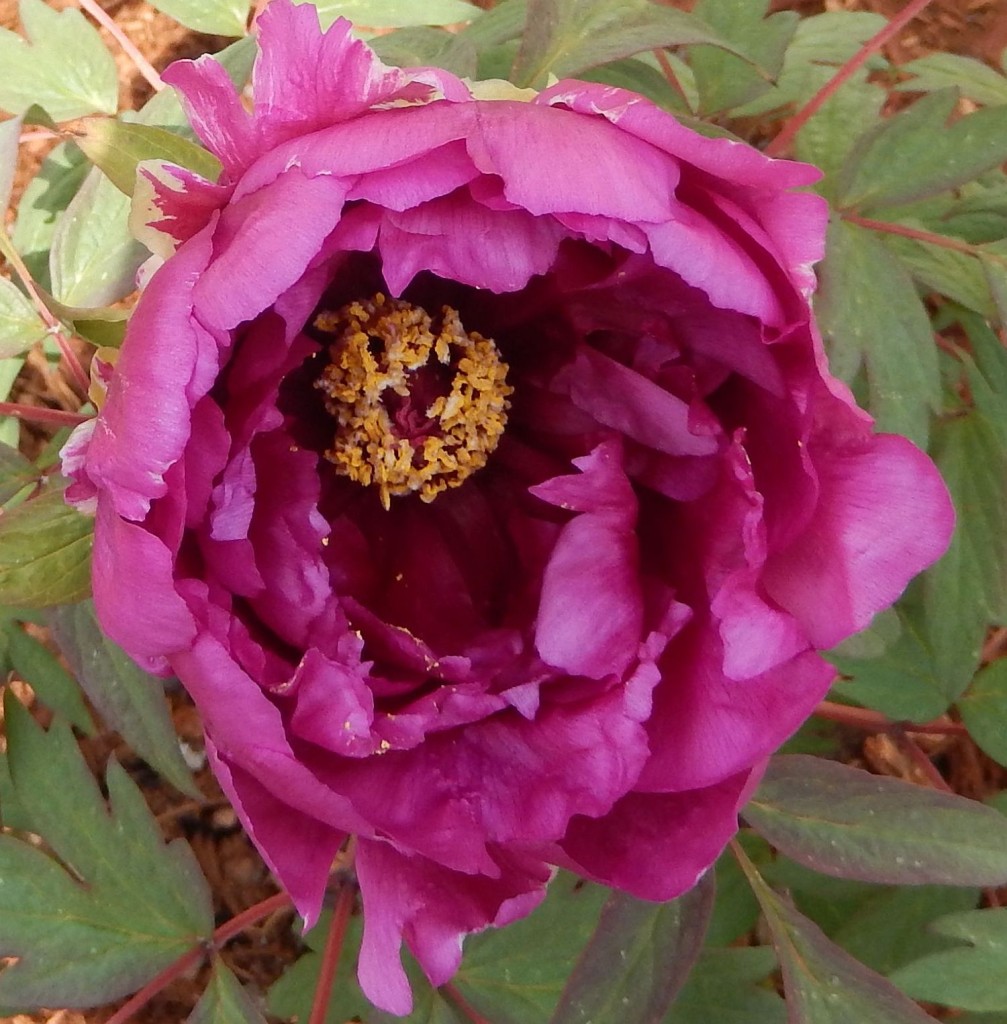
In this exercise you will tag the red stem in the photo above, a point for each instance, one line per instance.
(191, 957)
(874, 721)
(40, 414)
(781, 144)
(669, 73)
(460, 1004)
(331, 953)
(919, 235)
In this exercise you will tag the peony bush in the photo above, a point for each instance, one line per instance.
(473, 461)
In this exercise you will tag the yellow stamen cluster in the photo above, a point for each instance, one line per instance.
(381, 343)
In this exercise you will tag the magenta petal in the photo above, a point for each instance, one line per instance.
(865, 542)
(134, 592)
(301, 211)
(299, 849)
(411, 898)
(658, 845)
(590, 615)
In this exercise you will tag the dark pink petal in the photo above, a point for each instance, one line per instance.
(657, 845)
(215, 111)
(865, 542)
(144, 424)
(637, 408)
(461, 240)
(542, 156)
(409, 184)
(281, 228)
(432, 908)
(590, 617)
(134, 594)
(298, 848)
(706, 727)
(172, 203)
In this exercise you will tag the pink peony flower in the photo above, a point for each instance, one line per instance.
(475, 465)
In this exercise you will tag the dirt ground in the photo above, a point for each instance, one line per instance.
(236, 874)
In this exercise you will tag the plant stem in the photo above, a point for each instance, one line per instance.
(40, 414)
(874, 721)
(918, 234)
(460, 1004)
(781, 144)
(142, 64)
(191, 957)
(332, 951)
(669, 73)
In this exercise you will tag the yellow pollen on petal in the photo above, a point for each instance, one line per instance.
(381, 347)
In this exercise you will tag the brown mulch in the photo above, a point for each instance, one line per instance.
(237, 876)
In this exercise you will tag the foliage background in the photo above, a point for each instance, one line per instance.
(915, 324)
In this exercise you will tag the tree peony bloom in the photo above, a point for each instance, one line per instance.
(473, 461)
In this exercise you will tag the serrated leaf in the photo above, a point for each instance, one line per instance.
(16, 473)
(916, 153)
(565, 37)
(845, 822)
(224, 1001)
(138, 905)
(972, 979)
(10, 134)
(118, 147)
(395, 13)
(976, 80)
(637, 960)
(63, 67)
(724, 81)
(822, 983)
(45, 552)
(52, 684)
(872, 317)
(724, 987)
(20, 324)
(216, 17)
(128, 699)
(94, 259)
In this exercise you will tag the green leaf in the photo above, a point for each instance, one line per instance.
(16, 473)
(891, 666)
(936, 71)
(20, 324)
(45, 552)
(137, 905)
(637, 960)
(10, 426)
(52, 684)
(639, 75)
(10, 134)
(872, 317)
(128, 699)
(395, 13)
(984, 710)
(565, 37)
(117, 147)
(845, 822)
(735, 910)
(891, 927)
(421, 47)
(724, 80)
(46, 196)
(916, 153)
(216, 17)
(224, 1001)
(64, 67)
(94, 259)
(503, 23)
(724, 987)
(822, 983)
(516, 974)
(974, 978)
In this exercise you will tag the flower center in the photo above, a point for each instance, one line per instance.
(418, 407)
